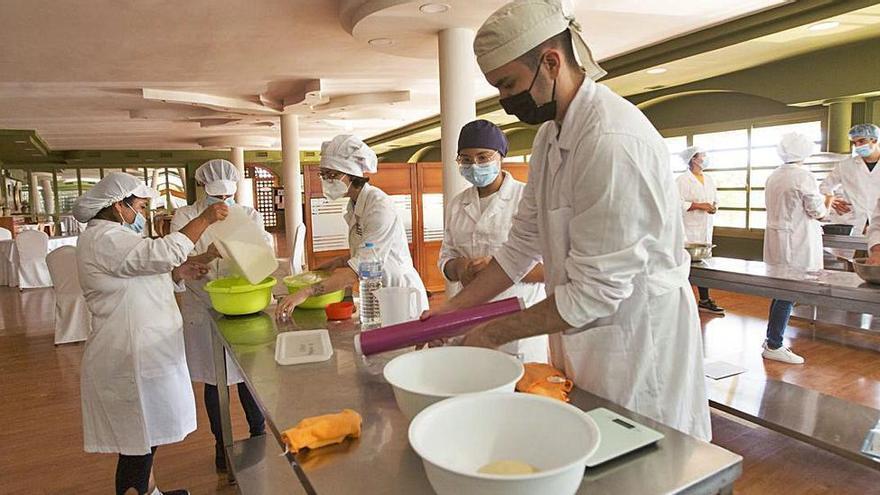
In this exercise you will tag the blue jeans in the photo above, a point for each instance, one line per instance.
(780, 313)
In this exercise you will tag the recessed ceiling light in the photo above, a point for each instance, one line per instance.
(381, 42)
(434, 8)
(21, 142)
(656, 70)
(824, 26)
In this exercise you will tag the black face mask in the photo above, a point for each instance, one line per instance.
(523, 106)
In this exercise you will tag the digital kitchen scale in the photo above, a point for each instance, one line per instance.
(618, 436)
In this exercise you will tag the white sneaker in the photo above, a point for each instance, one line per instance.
(783, 354)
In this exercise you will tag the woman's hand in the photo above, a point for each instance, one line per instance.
(287, 305)
(191, 270)
(874, 258)
(841, 206)
(213, 252)
(215, 213)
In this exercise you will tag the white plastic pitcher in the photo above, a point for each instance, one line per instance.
(398, 304)
(242, 243)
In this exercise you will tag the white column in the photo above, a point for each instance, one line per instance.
(457, 104)
(48, 195)
(244, 195)
(290, 168)
(33, 195)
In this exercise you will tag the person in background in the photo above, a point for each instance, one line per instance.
(136, 393)
(478, 220)
(371, 217)
(793, 236)
(699, 203)
(220, 179)
(858, 177)
(602, 212)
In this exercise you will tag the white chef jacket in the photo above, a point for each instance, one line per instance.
(373, 218)
(473, 232)
(697, 223)
(136, 392)
(602, 209)
(874, 228)
(860, 185)
(195, 303)
(793, 237)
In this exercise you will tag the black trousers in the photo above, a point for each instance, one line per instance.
(704, 293)
(255, 419)
(133, 471)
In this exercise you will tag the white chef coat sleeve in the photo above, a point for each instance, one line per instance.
(448, 249)
(180, 286)
(831, 181)
(615, 217)
(124, 255)
(377, 224)
(812, 199)
(874, 227)
(522, 251)
(681, 181)
(180, 219)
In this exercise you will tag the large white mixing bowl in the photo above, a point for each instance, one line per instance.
(424, 377)
(456, 437)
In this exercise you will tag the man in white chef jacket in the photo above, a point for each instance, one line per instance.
(699, 200)
(856, 181)
(602, 209)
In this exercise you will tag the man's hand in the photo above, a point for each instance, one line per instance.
(213, 252)
(215, 213)
(191, 270)
(479, 337)
(841, 206)
(713, 208)
(874, 258)
(473, 267)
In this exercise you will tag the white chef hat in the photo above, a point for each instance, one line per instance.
(691, 152)
(795, 147)
(114, 187)
(349, 155)
(219, 176)
(519, 26)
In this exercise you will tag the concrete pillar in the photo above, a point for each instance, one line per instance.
(48, 194)
(244, 195)
(457, 104)
(839, 123)
(290, 174)
(33, 195)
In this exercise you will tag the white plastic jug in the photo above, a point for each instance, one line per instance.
(398, 304)
(241, 242)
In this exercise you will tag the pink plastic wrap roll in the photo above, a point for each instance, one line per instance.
(443, 326)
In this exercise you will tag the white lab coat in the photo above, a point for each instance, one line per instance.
(697, 223)
(136, 392)
(195, 303)
(793, 237)
(473, 233)
(602, 209)
(374, 219)
(874, 228)
(860, 185)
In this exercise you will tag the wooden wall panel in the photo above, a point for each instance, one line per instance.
(431, 275)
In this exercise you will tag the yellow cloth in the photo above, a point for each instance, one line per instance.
(543, 379)
(318, 431)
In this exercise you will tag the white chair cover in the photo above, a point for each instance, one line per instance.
(298, 255)
(73, 322)
(5, 234)
(32, 247)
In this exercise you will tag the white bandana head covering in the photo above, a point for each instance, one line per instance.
(795, 147)
(349, 155)
(521, 25)
(114, 187)
(689, 153)
(219, 176)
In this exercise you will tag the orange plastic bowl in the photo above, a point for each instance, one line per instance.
(339, 311)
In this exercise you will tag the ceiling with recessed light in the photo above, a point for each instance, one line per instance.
(80, 73)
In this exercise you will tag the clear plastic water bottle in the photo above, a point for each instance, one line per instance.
(370, 273)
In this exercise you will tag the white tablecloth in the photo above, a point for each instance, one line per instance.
(9, 257)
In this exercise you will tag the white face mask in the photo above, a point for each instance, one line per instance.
(333, 188)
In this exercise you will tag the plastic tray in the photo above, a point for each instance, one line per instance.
(308, 346)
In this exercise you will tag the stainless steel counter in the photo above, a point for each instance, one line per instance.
(381, 461)
(845, 242)
(829, 288)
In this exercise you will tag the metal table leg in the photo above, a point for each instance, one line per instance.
(223, 394)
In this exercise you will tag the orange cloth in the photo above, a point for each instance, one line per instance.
(318, 431)
(543, 379)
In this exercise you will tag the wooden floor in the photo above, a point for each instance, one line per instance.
(41, 439)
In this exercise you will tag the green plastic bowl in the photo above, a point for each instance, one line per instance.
(253, 330)
(236, 296)
(296, 282)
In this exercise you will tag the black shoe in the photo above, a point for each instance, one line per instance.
(220, 459)
(258, 433)
(176, 492)
(709, 306)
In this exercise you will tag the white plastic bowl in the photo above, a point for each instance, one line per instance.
(424, 377)
(456, 437)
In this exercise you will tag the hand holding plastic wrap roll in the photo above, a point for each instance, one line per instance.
(320, 431)
(543, 379)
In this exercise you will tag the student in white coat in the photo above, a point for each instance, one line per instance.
(478, 220)
(602, 211)
(371, 217)
(874, 237)
(858, 177)
(699, 201)
(793, 237)
(136, 393)
(220, 179)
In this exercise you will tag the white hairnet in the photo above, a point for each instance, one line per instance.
(689, 153)
(794, 147)
(519, 26)
(219, 176)
(114, 187)
(349, 155)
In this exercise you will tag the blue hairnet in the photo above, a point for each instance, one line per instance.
(869, 131)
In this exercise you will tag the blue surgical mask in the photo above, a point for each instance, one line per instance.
(481, 175)
(864, 150)
(140, 222)
(211, 200)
